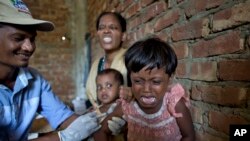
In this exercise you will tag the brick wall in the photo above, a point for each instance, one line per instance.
(54, 58)
(211, 39)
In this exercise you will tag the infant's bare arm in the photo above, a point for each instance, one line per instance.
(104, 133)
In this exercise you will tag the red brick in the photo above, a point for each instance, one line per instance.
(146, 2)
(203, 71)
(191, 30)
(226, 96)
(148, 29)
(163, 35)
(153, 10)
(181, 70)
(141, 32)
(234, 70)
(196, 6)
(197, 114)
(44, 10)
(132, 10)
(126, 3)
(196, 93)
(134, 23)
(119, 8)
(132, 38)
(220, 121)
(224, 44)
(181, 49)
(201, 136)
(213, 3)
(170, 18)
(237, 15)
(114, 3)
(144, 31)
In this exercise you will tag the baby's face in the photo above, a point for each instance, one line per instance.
(149, 87)
(107, 88)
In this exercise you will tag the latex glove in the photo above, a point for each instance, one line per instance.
(104, 115)
(80, 128)
(111, 108)
(115, 125)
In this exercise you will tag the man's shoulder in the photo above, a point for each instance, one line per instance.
(30, 72)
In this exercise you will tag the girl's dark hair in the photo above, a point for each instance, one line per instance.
(117, 74)
(118, 16)
(151, 53)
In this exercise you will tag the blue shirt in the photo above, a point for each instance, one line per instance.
(18, 107)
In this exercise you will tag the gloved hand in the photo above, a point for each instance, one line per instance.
(80, 128)
(111, 108)
(115, 125)
(105, 114)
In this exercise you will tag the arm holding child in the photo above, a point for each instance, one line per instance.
(104, 132)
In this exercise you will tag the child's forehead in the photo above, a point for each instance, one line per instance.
(150, 68)
(110, 76)
(150, 71)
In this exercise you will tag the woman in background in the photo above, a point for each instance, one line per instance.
(111, 33)
(111, 28)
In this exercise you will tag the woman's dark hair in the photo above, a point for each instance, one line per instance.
(151, 53)
(118, 16)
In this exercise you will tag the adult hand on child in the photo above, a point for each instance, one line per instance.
(125, 93)
(80, 128)
(115, 125)
(102, 116)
